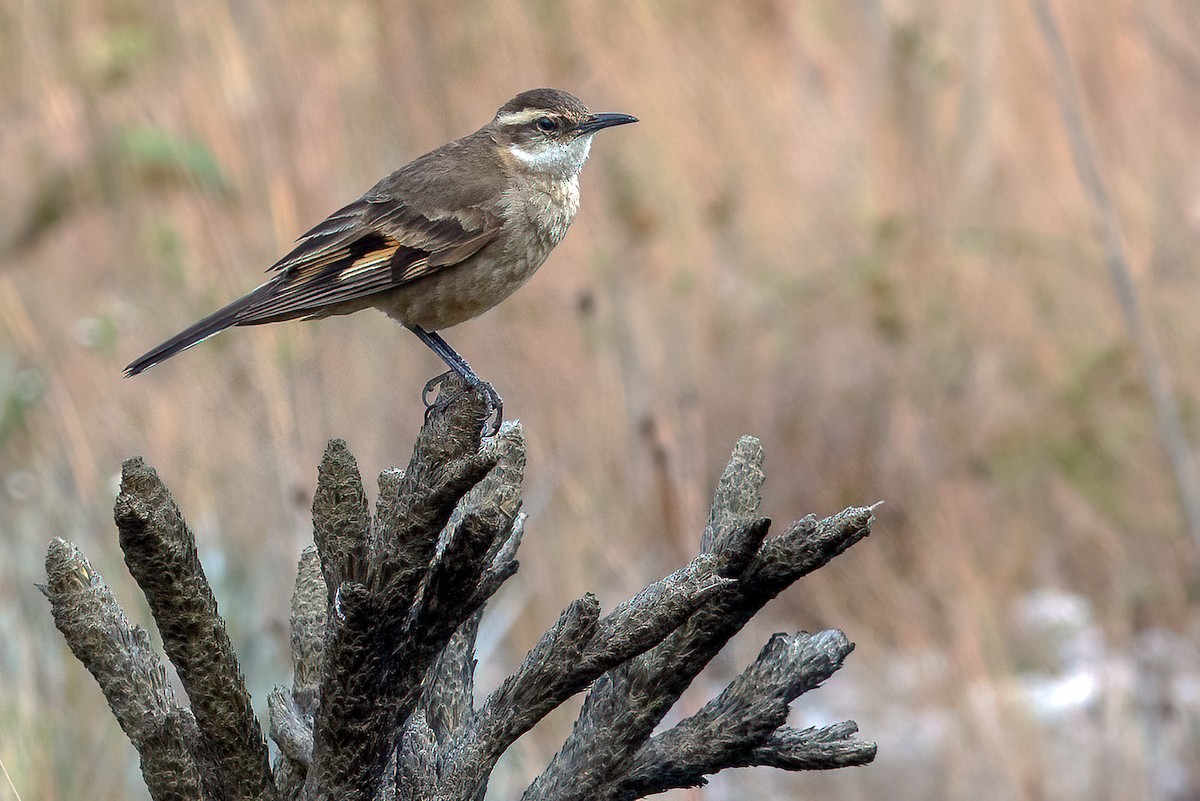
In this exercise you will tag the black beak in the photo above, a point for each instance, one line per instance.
(598, 122)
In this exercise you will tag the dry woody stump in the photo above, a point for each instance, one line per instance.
(384, 617)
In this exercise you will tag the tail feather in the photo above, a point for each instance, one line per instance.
(211, 325)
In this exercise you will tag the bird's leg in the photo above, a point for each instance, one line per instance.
(457, 364)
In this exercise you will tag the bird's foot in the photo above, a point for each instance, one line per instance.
(442, 397)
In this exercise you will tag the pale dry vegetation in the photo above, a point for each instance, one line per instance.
(852, 229)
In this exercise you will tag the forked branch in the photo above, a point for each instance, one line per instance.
(385, 613)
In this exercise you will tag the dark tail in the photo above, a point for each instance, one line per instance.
(214, 323)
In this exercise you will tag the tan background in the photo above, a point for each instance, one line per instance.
(852, 229)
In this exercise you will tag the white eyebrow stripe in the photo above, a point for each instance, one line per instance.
(520, 117)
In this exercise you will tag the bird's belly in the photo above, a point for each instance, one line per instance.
(456, 294)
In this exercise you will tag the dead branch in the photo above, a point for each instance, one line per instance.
(385, 613)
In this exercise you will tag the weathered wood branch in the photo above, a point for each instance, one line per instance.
(624, 707)
(130, 673)
(385, 613)
(161, 555)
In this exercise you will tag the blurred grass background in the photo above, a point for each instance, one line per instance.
(852, 229)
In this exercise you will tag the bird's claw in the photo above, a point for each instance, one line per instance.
(493, 401)
(434, 385)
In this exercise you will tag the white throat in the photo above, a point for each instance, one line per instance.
(558, 159)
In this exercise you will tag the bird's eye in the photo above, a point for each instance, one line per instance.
(546, 125)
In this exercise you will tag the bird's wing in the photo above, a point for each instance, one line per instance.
(375, 244)
(426, 216)
(430, 214)
(354, 253)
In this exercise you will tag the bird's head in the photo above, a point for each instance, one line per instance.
(550, 132)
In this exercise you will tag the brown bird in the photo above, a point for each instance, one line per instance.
(441, 240)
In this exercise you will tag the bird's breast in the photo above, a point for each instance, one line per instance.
(542, 208)
(535, 218)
